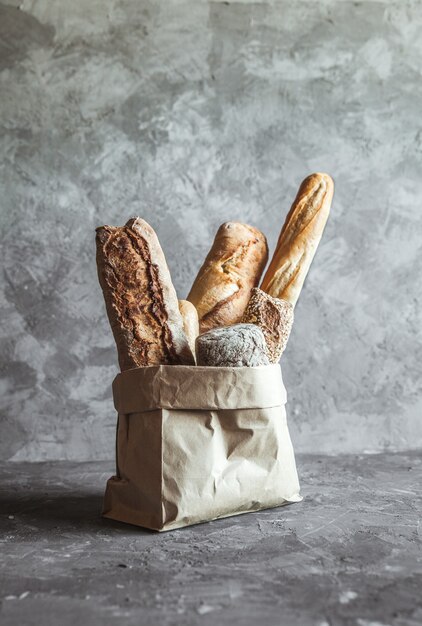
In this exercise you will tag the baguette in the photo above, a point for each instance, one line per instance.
(140, 299)
(190, 322)
(299, 238)
(231, 269)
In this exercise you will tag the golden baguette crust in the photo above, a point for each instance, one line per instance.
(190, 322)
(299, 238)
(140, 299)
(231, 269)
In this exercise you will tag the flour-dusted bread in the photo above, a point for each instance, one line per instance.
(140, 299)
(299, 238)
(190, 322)
(240, 345)
(233, 266)
(274, 317)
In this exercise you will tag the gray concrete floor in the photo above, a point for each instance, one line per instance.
(349, 554)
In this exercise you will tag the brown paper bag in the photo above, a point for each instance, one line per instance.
(199, 443)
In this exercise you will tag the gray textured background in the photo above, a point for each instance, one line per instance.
(191, 114)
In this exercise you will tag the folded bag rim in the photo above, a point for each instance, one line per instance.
(198, 388)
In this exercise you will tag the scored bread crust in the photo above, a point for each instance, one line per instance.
(231, 269)
(274, 317)
(140, 299)
(299, 238)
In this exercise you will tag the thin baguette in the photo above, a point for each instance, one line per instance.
(299, 238)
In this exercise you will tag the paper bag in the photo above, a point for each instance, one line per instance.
(199, 443)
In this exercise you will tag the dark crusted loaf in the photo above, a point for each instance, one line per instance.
(140, 299)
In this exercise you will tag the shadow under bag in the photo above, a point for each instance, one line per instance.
(199, 443)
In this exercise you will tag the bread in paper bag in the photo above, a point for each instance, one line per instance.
(199, 443)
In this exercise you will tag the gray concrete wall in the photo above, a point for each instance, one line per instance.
(191, 114)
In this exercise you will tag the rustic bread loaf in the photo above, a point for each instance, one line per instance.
(241, 345)
(299, 238)
(140, 299)
(233, 266)
(190, 322)
(274, 317)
